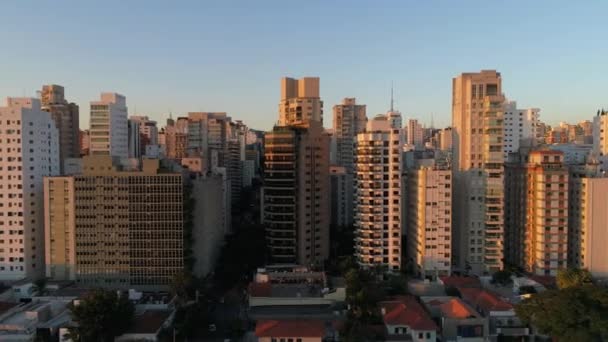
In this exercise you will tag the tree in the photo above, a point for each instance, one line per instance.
(40, 286)
(572, 314)
(397, 284)
(502, 277)
(363, 292)
(101, 316)
(573, 277)
(182, 287)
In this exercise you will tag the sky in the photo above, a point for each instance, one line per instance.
(181, 56)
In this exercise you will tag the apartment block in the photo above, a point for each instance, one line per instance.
(414, 133)
(108, 127)
(600, 138)
(378, 204)
(546, 231)
(296, 200)
(429, 221)
(300, 101)
(349, 120)
(66, 117)
(29, 146)
(341, 197)
(477, 117)
(176, 138)
(128, 225)
(520, 128)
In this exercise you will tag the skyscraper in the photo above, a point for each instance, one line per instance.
(349, 120)
(414, 133)
(66, 118)
(30, 151)
(109, 126)
(296, 210)
(300, 101)
(378, 207)
(429, 220)
(147, 130)
(477, 117)
(296, 199)
(521, 128)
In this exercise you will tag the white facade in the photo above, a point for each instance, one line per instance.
(520, 126)
(394, 118)
(108, 126)
(429, 218)
(29, 150)
(378, 195)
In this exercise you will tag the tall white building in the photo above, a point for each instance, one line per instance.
(414, 133)
(478, 163)
(429, 220)
(109, 127)
(378, 211)
(349, 120)
(29, 151)
(521, 127)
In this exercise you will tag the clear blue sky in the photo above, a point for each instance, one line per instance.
(230, 55)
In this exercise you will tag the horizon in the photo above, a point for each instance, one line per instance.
(220, 57)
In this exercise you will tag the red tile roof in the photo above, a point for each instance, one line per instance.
(457, 281)
(485, 300)
(290, 328)
(546, 281)
(405, 310)
(455, 308)
(260, 289)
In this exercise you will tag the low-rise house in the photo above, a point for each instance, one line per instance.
(406, 320)
(501, 315)
(460, 281)
(459, 321)
(295, 331)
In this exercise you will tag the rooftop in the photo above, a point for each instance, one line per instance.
(149, 322)
(455, 308)
(405, 310)
(284, 290)
(461, 282)
(484, 300)
(290, 328)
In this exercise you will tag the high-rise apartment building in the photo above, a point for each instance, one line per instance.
(296, 199)
(300, 101)
(378, 204)
(477, 117)
(176, 138)
(521, 128)
(546, 230)
(429, 220)
(414, 133)
(134, 139)
(349, 120)
(600, 138)
(110, 227)
(148, 131)
(66, 117)
(29, 146)
(108, 125)
(341, 197)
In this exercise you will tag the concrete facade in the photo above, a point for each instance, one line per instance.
(29, 146)
(300, 101)
(108, 127)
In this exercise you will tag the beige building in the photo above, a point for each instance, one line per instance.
(477, 126)
(546, 230)
(66, 120)
(128, 226)
(588, 230)
(600, 138)
(60, 225)
(176, 138)
(296, 200)
(349, 120)
(378, 204)
(300, 101)
(429, 221)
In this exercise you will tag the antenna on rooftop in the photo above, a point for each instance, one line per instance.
(392, 101)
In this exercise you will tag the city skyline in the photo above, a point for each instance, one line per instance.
(187, 59)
